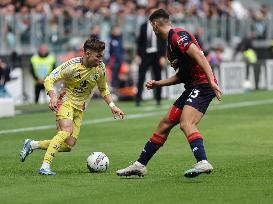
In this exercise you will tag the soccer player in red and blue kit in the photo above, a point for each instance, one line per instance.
(201, 87)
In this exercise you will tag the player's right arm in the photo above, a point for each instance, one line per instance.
(164, 82)
(184, 42)
(56, 75)
(53, 103)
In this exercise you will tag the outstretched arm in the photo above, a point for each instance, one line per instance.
(115, 110)
(194, 52)
(164, 82)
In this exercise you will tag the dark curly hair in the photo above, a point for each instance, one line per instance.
(159, 13)
(94, 44)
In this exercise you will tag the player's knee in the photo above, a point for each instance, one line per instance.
(185, 125)
(66, 127)
(71, 141)
(167, 123)
(165, 126)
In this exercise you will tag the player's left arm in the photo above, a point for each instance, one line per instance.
(105, 93)
(117, 112)
(194, 52)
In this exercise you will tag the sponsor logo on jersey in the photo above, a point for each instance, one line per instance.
(95, 77)
(184, 38)
(77, 75)
(180, 41)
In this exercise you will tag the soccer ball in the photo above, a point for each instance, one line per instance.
(97, 162)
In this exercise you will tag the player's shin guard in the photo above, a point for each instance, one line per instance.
(196, 142)
(55, 145)
(45, 144)
(155, 142)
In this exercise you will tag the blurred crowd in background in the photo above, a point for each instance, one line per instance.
(222, 28)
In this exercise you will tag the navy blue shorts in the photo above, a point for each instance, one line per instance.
(198, 96)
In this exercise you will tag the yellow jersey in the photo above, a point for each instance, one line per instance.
(79, 81)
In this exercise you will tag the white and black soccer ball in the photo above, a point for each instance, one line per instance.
(97, 162)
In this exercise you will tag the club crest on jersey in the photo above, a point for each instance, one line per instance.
(95, 77)
(84, 83)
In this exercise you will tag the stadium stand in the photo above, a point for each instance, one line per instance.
(63, 25)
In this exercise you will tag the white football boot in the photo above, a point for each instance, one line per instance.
(200, 167)
(47, 172)
(134, 169)
(27, 150)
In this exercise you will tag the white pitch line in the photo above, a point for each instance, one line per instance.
(87, 122)
(219, 106)
(241, 104)
(143, 115)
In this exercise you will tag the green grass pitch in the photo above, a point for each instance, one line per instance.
(238, 138)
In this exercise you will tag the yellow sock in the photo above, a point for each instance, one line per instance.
(44, 144)
(55, 145)
(63, 148)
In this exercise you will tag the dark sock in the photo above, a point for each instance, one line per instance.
(198, 149)
(148, 152)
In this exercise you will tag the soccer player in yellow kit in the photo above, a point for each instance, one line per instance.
(80, 76)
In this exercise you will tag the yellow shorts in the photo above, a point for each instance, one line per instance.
(67, 111)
